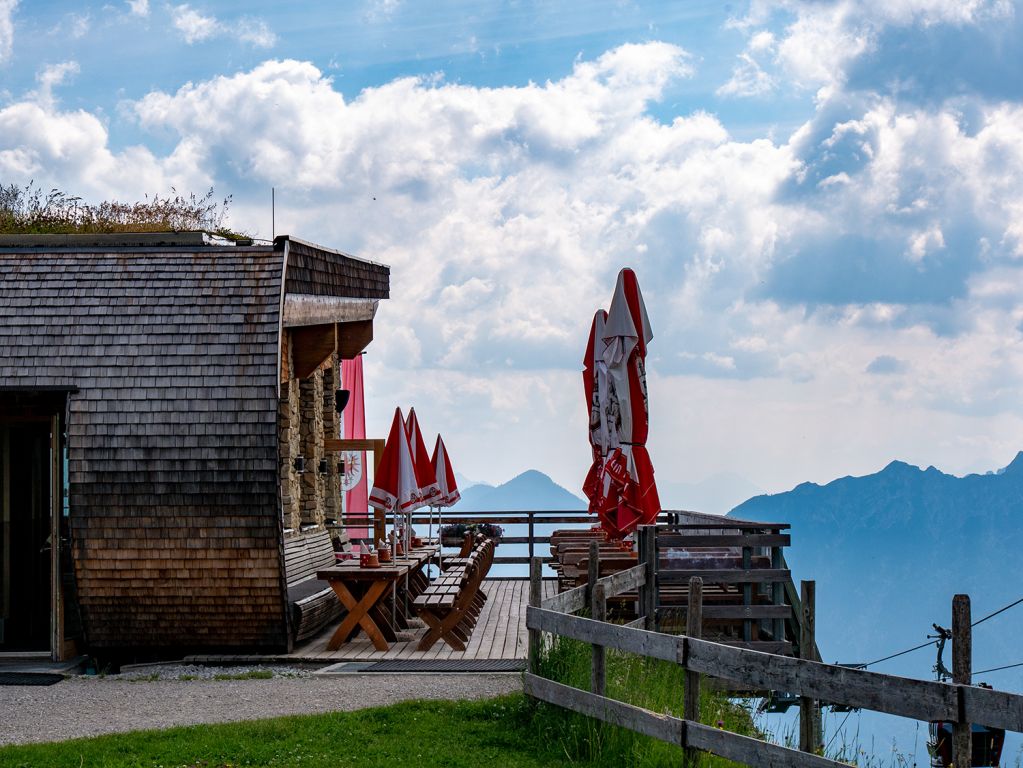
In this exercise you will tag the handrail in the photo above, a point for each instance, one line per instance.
(960, 704)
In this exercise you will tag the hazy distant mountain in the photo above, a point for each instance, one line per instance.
(532, 490)
(889, 550)
(716, 494)
(464, 482)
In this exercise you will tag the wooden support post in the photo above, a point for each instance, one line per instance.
(592, 570)
(532, 536)
(535, 595)
(598, 611)
(809, 738)
(694, 628)
(747, 594)
(777, 595)
(962, 674)
(648, 592)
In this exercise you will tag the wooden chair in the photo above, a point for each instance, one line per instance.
(451, 605)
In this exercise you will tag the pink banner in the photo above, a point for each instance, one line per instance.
(353, 482)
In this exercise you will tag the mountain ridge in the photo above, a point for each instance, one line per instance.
(529, 490)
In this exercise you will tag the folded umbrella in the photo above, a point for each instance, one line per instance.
(628, 491)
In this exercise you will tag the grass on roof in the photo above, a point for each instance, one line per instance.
(28, 211)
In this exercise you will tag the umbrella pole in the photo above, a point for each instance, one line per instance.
(394, 557)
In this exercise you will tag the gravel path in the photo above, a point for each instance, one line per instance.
(83, 706)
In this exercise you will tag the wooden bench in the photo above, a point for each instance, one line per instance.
(451, 605)
(313, 603)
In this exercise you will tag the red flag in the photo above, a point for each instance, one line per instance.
(354, 481)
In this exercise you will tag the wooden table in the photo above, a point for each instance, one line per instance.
(364, 593)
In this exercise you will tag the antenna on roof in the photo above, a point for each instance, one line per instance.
(273, 225)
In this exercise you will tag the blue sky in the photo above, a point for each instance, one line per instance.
(822, 201)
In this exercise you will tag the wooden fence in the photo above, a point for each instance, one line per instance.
(960, 704)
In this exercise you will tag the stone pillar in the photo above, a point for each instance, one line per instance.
(288, 425)
(311, 407)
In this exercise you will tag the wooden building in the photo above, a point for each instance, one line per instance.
(156, 393)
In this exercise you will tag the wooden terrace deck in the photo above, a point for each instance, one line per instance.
(500, 633)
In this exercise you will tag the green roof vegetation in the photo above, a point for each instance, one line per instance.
(28, 211)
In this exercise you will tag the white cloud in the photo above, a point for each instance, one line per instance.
(138, 7)
(7, 8)
(197, 28)
(193, 26)
(748, 79)
(506, 212)
(257, 33)
(821, 39)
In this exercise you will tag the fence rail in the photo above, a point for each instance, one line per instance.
(960, 704)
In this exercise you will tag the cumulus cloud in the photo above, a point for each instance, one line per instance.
(822, 41)
(196, 27)
(7, 8)
(876, 238)
(138, 7)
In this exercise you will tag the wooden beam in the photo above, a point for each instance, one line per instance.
(305, 309)
(310, 346)
(353, 338)
(333, 445)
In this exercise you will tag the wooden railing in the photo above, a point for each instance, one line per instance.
(960, 704)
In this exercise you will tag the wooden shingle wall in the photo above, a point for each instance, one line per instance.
(173, 457)
(320, 272)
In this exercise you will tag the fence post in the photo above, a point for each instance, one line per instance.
(809, 738)
(694, 628)
(531, 536)
(962, 674)
(648, 556)
(598, 611)
(535, 595)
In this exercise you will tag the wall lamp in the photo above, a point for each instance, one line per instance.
(341, 397)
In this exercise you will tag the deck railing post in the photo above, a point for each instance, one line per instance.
(592, 570)
(747, 594)
(535, 596)
(809, 734)
(598, 611)
(777, 594)
(962, 674)
(691, 702)
(648, 592)
(532, 538)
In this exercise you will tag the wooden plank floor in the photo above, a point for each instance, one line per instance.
(499, 634)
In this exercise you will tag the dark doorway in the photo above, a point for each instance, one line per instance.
(31, 519)
(25, 545)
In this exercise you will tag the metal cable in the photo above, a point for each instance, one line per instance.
(997, 669)
(1000, 610)
(895, 655)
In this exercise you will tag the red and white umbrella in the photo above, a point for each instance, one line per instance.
(595, 391)
(446, 484)
(395, 487)
(628, 491)
(425, 474)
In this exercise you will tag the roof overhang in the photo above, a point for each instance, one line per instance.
(302, 309)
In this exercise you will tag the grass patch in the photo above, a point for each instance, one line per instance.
(649, 683)
(496, 732)
(252, 674)
(27, 210)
